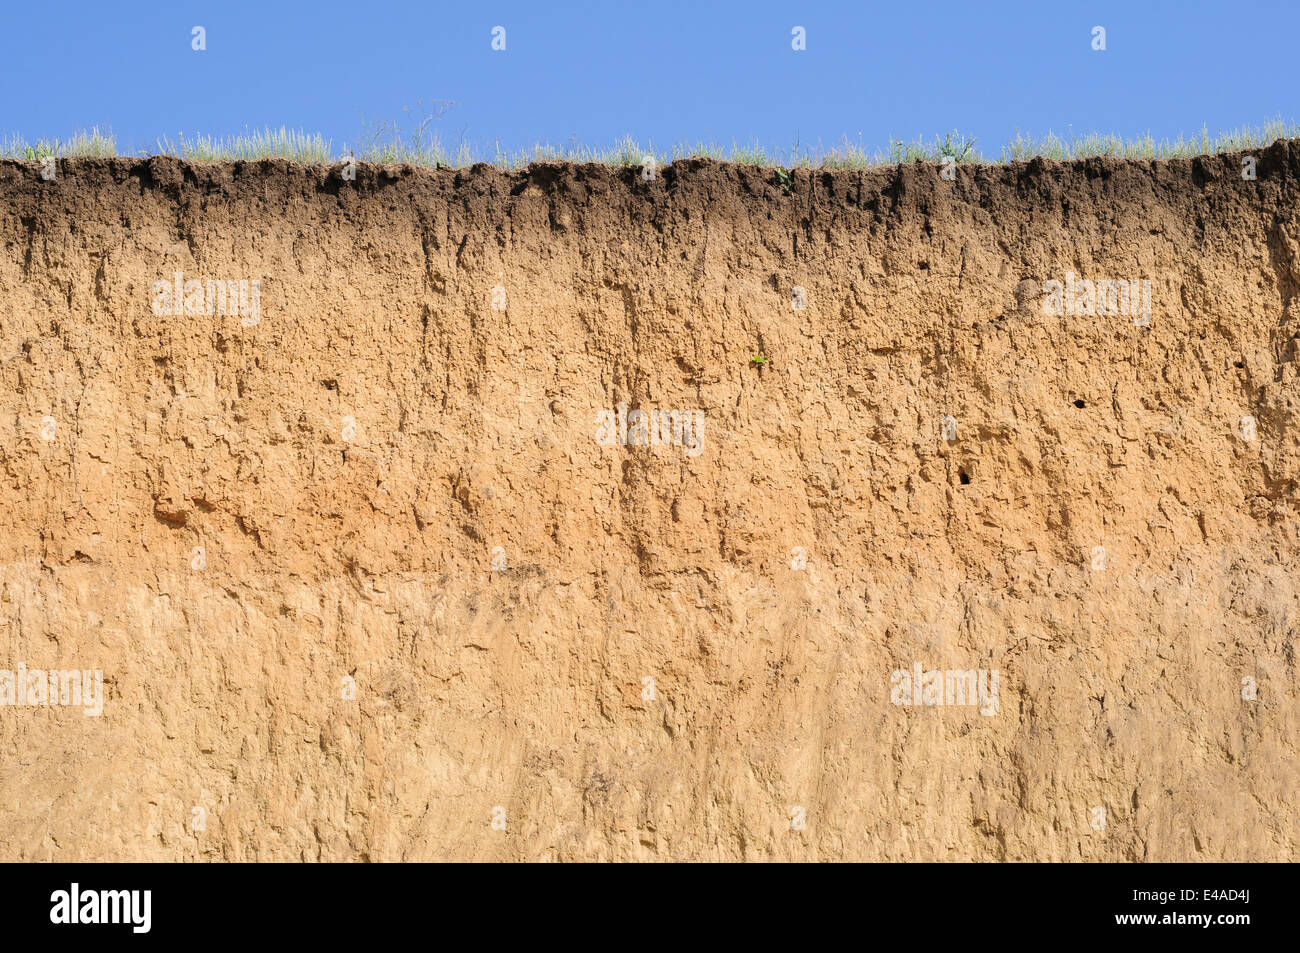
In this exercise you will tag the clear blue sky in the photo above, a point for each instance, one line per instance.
(661, 71)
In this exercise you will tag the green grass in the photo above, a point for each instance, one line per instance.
(1024, 147)
(418, 142)
(625, 152)
(92, 143)
(267, 144)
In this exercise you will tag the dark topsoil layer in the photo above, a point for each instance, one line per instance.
(1196, 184)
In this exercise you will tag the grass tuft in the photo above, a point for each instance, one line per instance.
(284, 143)
(92, 143)
(417, 142)
(1024, 147)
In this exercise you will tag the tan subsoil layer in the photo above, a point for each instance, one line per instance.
(522, 687)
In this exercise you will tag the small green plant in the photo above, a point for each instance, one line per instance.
(958, 146)
(783, 179)
(758, 360)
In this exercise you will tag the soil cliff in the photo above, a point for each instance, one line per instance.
(565, 514)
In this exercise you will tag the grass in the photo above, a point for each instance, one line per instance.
(92, 143)
(418, 142)
(268, 143)
(1094, 144)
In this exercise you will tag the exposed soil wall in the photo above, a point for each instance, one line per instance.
(369, 576)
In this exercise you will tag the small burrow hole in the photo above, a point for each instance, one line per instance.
(1080, 404)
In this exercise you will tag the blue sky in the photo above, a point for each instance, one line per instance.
(662, 71)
